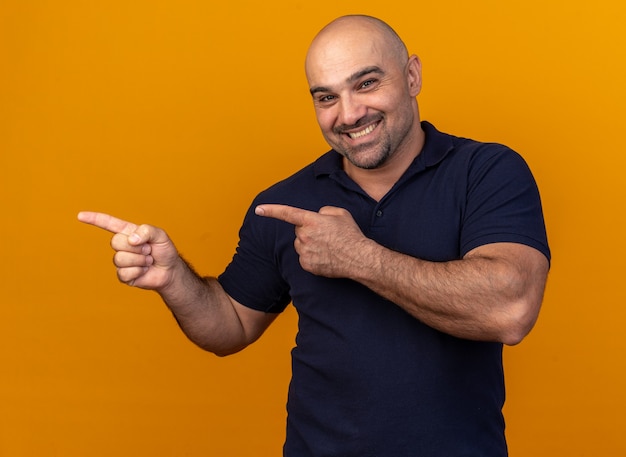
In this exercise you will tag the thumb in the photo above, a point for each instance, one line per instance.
(147, 234)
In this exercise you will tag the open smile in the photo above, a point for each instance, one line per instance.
(361, 133)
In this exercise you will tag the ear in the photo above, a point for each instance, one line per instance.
(414, 75)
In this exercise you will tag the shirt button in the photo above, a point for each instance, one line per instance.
(379, 213)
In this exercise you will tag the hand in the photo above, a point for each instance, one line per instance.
(144, 255)
(329, 242)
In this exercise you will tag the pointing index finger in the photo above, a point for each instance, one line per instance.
(107, 222)
(290, 214)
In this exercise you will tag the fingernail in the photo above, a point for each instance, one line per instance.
(259, 211)
(134, 238)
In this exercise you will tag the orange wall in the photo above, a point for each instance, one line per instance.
(177, 112)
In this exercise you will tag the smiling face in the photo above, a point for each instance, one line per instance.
(364, 87)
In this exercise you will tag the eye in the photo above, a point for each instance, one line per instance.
(326, 99)
(368, 83)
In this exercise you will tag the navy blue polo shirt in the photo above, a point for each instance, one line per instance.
(368, 379)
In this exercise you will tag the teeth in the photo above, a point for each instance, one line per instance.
(362, 132)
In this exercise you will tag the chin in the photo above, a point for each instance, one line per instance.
(368, 161)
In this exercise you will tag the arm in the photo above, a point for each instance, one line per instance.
(494, 293)
(146, 258)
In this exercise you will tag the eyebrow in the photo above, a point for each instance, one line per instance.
(353, 77)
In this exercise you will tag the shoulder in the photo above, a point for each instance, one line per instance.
(452, 151)
(483, 159)
(463, 163)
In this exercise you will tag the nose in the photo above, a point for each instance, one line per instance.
(350, 110)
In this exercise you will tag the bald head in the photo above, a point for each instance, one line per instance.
(349, 34)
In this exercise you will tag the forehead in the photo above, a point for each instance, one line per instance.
(335, 57)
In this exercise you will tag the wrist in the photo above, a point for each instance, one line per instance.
(367, 261)
(178, 278)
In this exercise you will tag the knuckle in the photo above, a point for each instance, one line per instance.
(126, 275)
(117, 241)
(303, 237)
(145, 230)
(306, 266)
(122, 275)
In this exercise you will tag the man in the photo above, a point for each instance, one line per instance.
(416, 256)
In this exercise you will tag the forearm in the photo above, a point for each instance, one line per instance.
(493, 294)
(479, 297)
(203, 311)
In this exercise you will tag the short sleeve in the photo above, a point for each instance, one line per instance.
(253, 276)
(503, 202)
